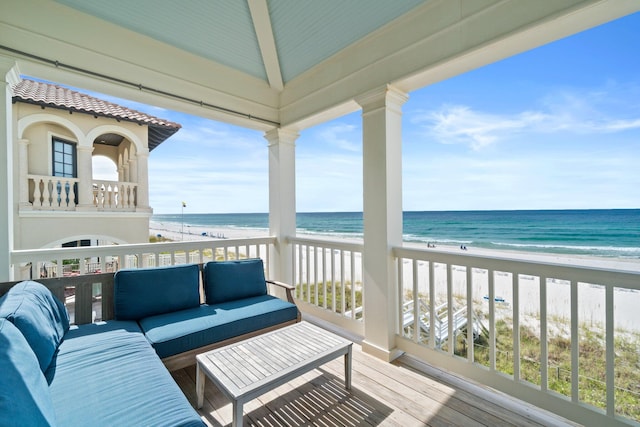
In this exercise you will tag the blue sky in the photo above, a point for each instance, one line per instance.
(557, 127)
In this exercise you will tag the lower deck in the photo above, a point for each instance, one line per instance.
(404, 393)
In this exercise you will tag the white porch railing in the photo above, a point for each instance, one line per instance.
(60, 262)
(86, 282)
(59, 193)
(563, 337)
(328, 280)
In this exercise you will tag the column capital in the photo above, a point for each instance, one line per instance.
(84, 148)
(24, 141)
(383, 96)
(280, 136)
(9, 68)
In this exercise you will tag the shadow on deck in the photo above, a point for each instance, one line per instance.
(407, 392)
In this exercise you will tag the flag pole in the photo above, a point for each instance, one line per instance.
(184, 205)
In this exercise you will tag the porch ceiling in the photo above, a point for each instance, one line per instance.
(286, 62)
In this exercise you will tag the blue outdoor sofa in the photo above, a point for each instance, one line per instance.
(111, 373)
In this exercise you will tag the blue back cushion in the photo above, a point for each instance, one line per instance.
(40, 316)
(144, 292)
(232, 280)
(24, 394)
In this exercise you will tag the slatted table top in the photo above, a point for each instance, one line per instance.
(249, 368)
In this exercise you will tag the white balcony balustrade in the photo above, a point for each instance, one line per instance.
(62, 194)
(114, 195)
(52, 192)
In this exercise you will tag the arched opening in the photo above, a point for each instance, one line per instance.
(104, 168)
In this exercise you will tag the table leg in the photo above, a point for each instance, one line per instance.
(347, 369)
(237, 414)
(200, 378)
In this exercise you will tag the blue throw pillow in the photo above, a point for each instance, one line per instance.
(24, 394)
(39, 315)
(145, 292)
(232, 280)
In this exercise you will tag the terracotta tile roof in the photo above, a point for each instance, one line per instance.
(54, 96)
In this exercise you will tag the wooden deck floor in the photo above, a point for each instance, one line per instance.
(404, 393)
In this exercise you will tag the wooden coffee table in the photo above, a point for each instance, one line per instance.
(249, 368)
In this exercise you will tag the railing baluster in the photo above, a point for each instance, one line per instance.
(416, 303)
(307, 263)
(515, 283)
(610, 351)
(333, 272)
(354, 305)
(492, 319)
(544, 347)
(575, 341)
(432, 305)
(450, 330)
(342, 282)
(315, 274)
(324, 277)
(471, 325)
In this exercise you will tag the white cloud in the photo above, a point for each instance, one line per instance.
(343, 136)
(570, 112)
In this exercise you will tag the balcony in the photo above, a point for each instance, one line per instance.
(561, 337)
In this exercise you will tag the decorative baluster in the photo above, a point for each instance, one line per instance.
(37, 192)
(49, 193)
(58, 193)
(72, 194)
(66, 199)
(128, 193)
(110, 196)
(121, 196)
(100, 197)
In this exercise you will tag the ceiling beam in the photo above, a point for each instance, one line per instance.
(264, 33)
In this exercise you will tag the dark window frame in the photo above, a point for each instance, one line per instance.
(55, 165)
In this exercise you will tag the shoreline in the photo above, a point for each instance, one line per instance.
(172, 231)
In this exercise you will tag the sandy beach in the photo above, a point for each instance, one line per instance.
(174, 232)
(591, 298)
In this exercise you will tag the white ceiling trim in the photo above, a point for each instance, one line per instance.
(264, 33)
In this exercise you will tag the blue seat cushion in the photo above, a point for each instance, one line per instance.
(232, 280)
(39, 315)
(149, 291)
(24, 394)
(107, 374)
(174, 333)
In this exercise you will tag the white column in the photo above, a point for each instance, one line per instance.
(23, 158)
(9, 72)
(143, 180)
(133, 168)
(85, 177)
(126, 177)
(282, 200)
(382, 215)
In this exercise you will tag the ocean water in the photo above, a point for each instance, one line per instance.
(603, 233)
